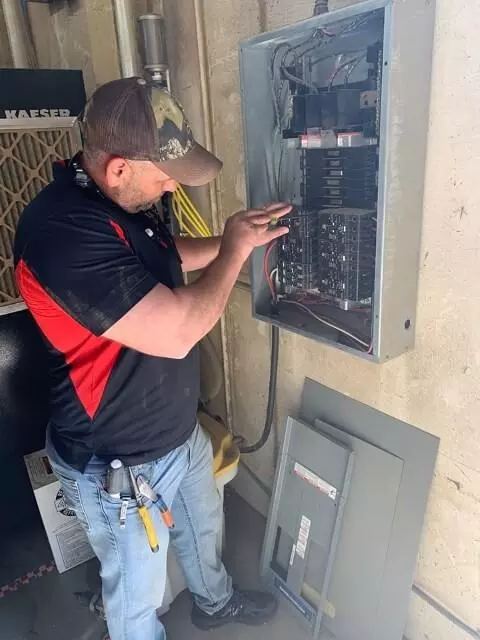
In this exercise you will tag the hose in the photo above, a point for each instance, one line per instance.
(272, 392)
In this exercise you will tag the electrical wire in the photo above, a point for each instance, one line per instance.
(189, 220)
(323, 33)
(276, 105)
(191, 210)
(269, 273)
(352, 336)
(352, 69)
(274, 272)
(266, 268)
(272, 394)
(299, 81)
(274, 353)
(177, 212)
(341, 67)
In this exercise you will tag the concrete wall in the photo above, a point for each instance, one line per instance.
(436, 387)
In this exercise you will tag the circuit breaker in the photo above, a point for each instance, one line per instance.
(335, 121)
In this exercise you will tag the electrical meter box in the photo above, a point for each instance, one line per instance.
(336, 115)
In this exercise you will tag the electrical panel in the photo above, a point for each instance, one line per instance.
(335, 120)
(311, 492)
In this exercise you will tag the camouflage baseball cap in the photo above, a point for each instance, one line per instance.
(135, 119)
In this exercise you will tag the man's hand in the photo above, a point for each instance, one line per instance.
(246, 230)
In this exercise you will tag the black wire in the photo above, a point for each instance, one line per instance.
(272, 393)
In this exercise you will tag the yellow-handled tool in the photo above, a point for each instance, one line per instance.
(144, 515)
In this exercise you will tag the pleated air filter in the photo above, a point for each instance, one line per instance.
(28, 149)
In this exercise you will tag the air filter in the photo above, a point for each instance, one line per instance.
(28, 149)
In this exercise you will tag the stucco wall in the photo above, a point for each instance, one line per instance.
(436, 387)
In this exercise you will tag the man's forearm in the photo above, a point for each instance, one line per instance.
(204, 301)
(197, 253)
(168, 323)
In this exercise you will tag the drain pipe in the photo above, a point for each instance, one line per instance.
(18, 30)
(126, 37)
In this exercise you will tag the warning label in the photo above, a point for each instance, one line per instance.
(317, 482)
(74, 546)
(303, 536)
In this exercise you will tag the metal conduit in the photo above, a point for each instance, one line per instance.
(126, 37)
(18, 30)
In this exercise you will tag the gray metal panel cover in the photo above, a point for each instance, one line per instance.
(356, 587)
(418, 451)
(308, 457)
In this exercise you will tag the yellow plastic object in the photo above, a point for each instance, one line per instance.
(226, 454)
(149, 528)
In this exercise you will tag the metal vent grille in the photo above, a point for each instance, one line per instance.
(27, 151)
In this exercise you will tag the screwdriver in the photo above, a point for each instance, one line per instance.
(144, 515)
(148, 493)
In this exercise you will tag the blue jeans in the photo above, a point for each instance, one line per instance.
(133, 578)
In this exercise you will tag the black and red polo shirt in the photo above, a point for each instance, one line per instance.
(81, 264)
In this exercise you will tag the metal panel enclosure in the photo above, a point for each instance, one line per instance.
(342, 135)
(304, 526)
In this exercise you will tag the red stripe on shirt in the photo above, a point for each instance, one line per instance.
(90, 358)
(120, 232)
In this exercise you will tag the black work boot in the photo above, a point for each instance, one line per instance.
(245, 607)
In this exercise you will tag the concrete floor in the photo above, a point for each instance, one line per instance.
(54, 607)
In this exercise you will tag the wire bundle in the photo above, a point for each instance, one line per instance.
(189, 220)
(269, 277)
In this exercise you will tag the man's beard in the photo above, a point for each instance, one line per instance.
(145, 206)
(140, 207)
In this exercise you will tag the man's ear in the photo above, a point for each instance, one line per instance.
(116, 171)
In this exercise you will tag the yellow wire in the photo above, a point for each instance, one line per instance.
(189, 220)
(189, 210)
(193, 220)
(187, 225)
(194, 224)
(187, 203)
(178, 214)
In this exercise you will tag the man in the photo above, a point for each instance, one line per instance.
(103, 279)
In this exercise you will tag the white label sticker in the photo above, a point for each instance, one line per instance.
(292, 555)
(315, 481)
(303, 536)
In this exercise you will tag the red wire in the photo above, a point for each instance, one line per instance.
(266, 270)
